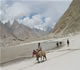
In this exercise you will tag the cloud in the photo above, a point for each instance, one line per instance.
(16, 10)
(37, 22)
(39, 14)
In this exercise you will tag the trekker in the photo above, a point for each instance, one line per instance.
(68, 43)
(60, 43)
(57, 44)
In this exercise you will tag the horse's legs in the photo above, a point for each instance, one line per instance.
(45, 57)
(38, 60)
(41, 58)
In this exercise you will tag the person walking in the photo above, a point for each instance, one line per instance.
(68, 42)
(57, 44)
(60, 43)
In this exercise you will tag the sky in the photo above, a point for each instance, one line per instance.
(38, 14)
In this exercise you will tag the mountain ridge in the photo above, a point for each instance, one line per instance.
(70, 21)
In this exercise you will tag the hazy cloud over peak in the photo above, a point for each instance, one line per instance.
(38, 13)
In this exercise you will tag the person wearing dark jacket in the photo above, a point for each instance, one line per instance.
(57, 44)
(68, 43)
(39, 47)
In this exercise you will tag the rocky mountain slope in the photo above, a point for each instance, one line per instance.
(21, 32)
(70, 21)
(18, 33)
(4, 31)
